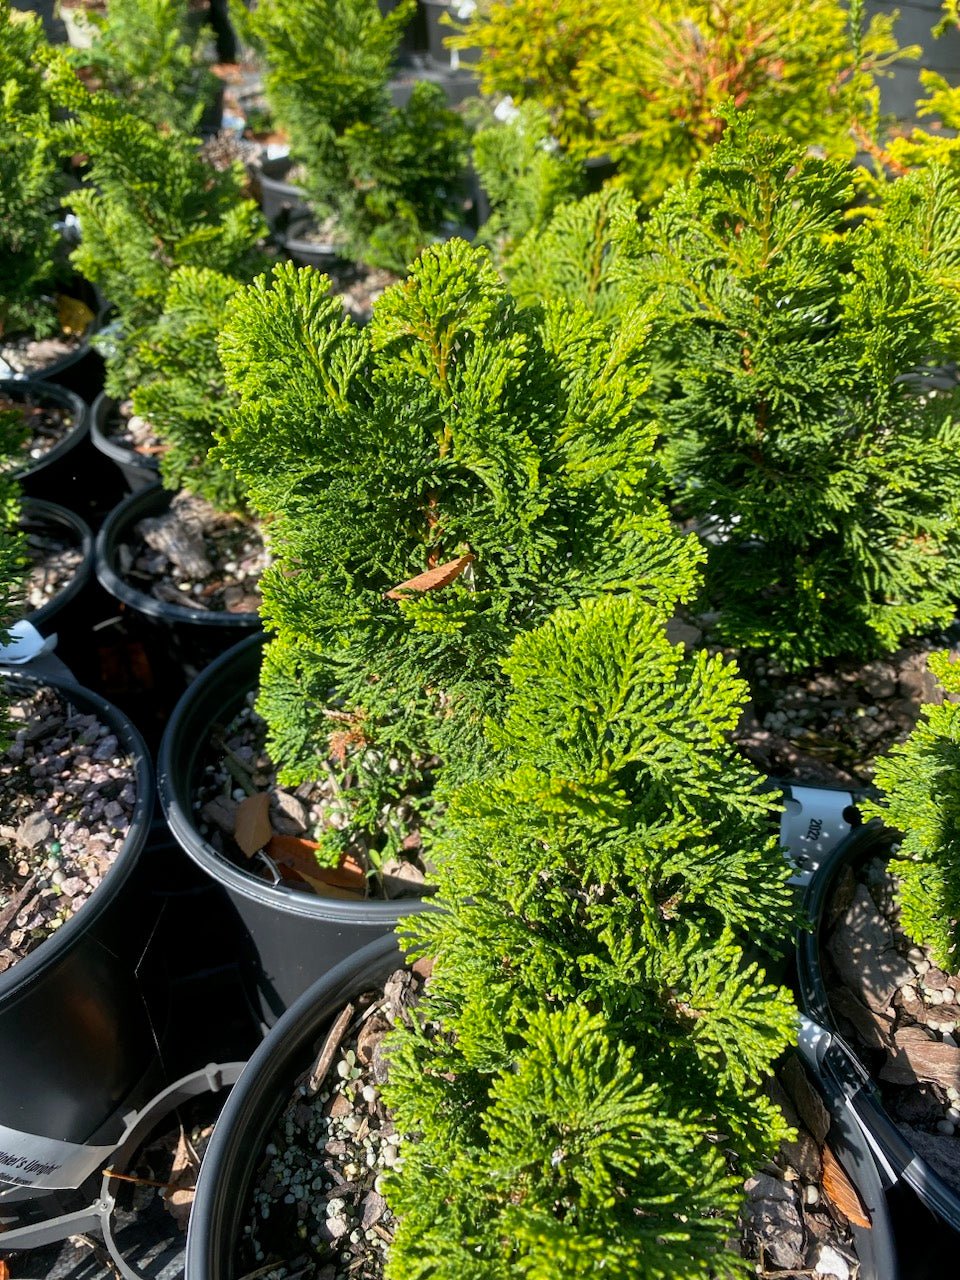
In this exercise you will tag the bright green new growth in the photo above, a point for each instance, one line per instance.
(182, 392)
(150, 54)
(576, 255)
(29, 182)
(920, 782)
(455, 426)
(384, 176)
(150, 204)
(583, 1087)
(827, 482)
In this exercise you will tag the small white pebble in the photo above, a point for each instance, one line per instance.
(946, 1127)
(369, 1093)
(389, 1155)
(343, 1069)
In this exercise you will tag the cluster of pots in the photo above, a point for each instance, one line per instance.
(81, 1018)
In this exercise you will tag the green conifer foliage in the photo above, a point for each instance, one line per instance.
(150, 204)
(827, 480)
(525, 175)
(921, 798)
(149, 53)
(455, 426)
(583, 1085)
(182, 391)
(575, 256)
(386, 176)
(29, 182)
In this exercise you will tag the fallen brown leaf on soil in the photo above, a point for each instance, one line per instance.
(252, 829)
(178, 1199)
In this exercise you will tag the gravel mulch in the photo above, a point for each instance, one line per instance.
(316, 1208)
(66, 797)
(47, 425)
(31, 355)
(197, 557)
(54, 558)
(126, 428)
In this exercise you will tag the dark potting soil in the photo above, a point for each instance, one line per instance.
(67, 795)
(54, 558)
(46, 425)
(197, 557)
(827, 728)
(316, 1208)
(899, 1010)
(268, 829)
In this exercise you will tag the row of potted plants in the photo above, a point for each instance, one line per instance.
(479, 474)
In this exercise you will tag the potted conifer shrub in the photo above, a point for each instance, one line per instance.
(151, 54)
(880, 971)
(46, 313)
(150, 203)
(800, 432)
(194, 531)
(434, 485)
(381, 181)
(580, 1087)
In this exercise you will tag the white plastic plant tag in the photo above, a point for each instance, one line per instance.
(277, 150)
(506, 110)
(7, 370)
(813, 822)
(27, 1160)
(25, 644)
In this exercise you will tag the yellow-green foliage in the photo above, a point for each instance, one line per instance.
(920, 781)
(941, 106)
(641, 82)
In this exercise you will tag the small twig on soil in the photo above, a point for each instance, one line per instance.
(17, 903)
(329, 1051)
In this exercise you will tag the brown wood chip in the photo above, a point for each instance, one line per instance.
(16, 904)
(841, 1191)
(919, 1055)
(329, 1050)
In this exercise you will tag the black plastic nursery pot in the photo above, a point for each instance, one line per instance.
(864, 1116)
(59, 473)
(81, 370)
(77, 1051)
(236, 1148)
(295, 937)
(297, 244)
(197, 636)
(139, 470)
(280, 200)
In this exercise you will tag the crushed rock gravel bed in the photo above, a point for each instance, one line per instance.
(67, 796)
(54, 559)
(32, 355)
(315, 1208)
